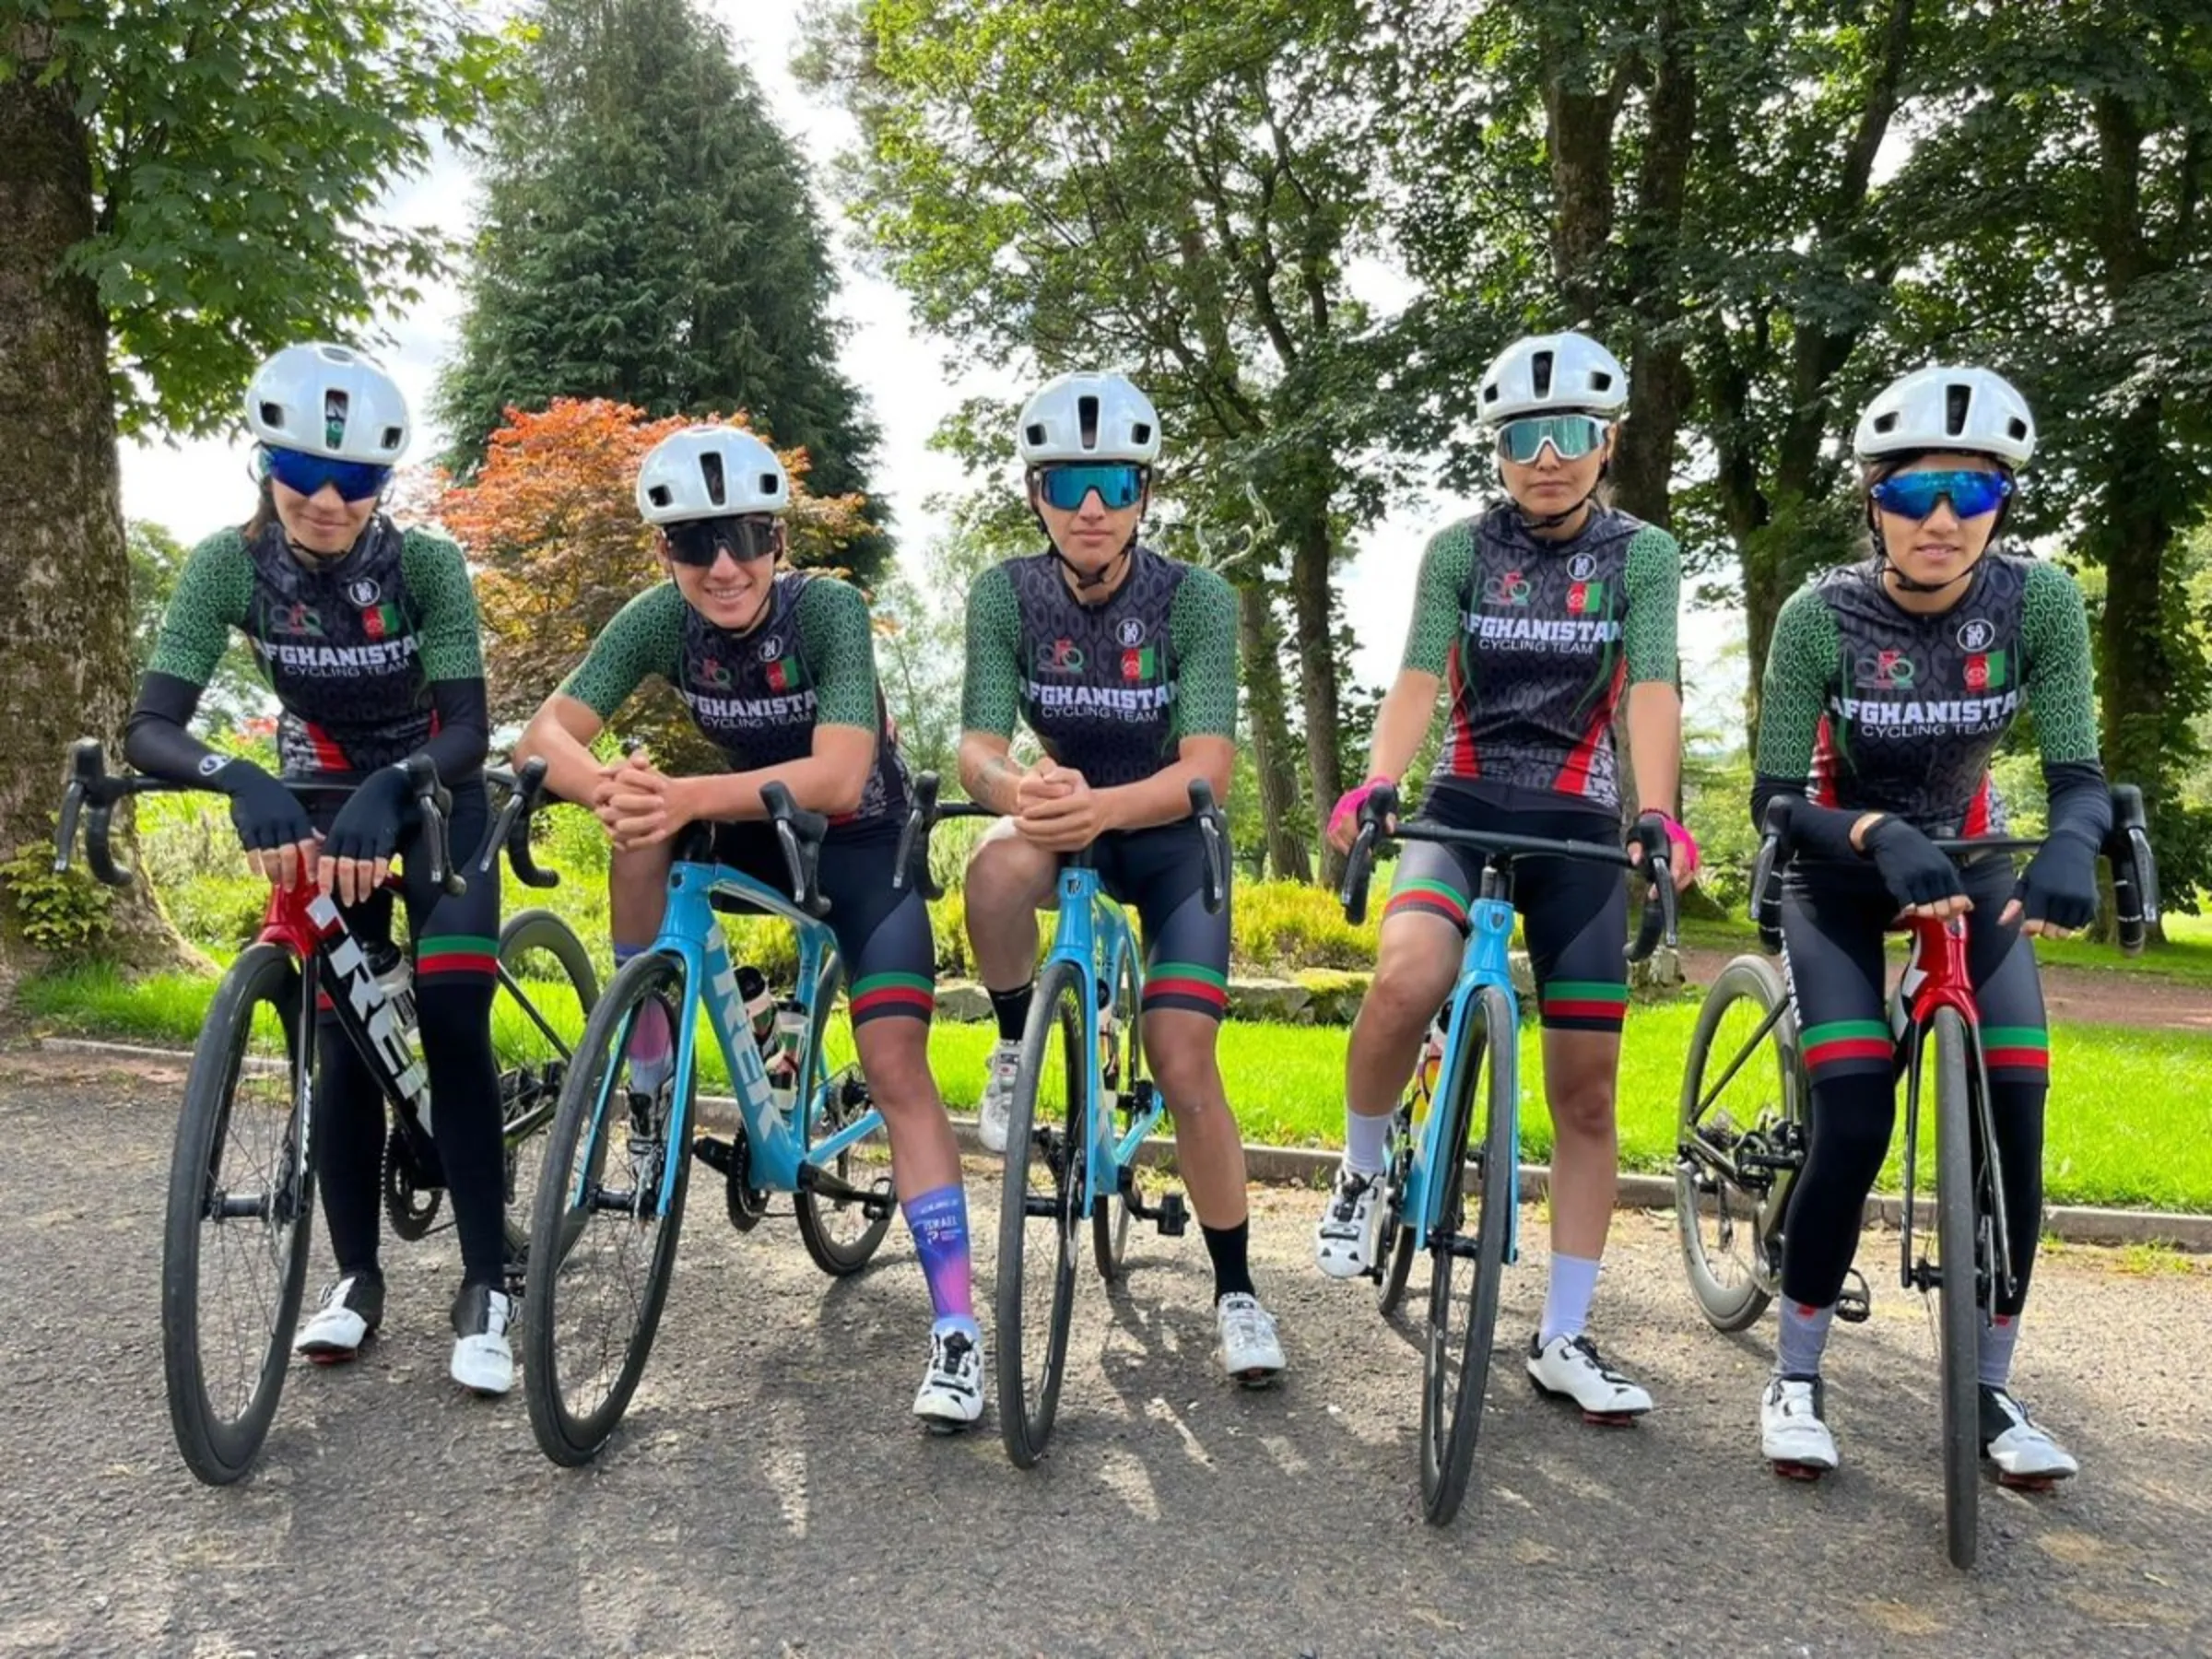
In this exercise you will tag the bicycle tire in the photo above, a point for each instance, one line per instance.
(1448, 1441)
(1960, 1309)
(558, 1232)
(817, 1212)
(530, 1094)
(1734, 1304)
(1393, 1238)
(1110, 1217)
(217, 1447)
(1026, 1416)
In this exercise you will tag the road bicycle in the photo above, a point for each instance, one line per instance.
(617, 1160)
(1081, 1109)
(1741, 1132)
(1429, 1178)
(242, 1171)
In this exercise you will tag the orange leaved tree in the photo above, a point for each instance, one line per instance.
(550, 521)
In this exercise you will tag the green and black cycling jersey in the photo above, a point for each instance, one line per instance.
(1111, 688)
(1869, 707)
(372, 657)
(757, 696)
(1537, 642)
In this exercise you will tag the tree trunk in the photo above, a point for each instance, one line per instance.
(1659, 377)
(64, 578)
(1313, 607)
(1260, 646)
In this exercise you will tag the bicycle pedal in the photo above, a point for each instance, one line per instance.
(1174, 1217)
(1611, 1419)
(2027, 1483)
(1854, 1305)
(881, 1200)
(1808, 1473)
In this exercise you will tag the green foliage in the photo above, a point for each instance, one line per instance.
(649, 236)
(237, 156)
(236, 690)
(66, 913)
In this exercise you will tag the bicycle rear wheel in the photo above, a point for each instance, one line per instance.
(1739, 1097)
(241, 1203)
(1463, 1289)
(1124, 1065)
(603, 1235)
(838, 1232)
(547, 987)
(1957, 1288)
(1395, 1245)
(1040, 1215)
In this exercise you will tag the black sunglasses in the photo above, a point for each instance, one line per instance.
(699, 542)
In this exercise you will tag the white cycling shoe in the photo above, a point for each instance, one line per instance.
(2024, 1454)
(952, 1395)
(1343, 1242)
(348, 1315)
(483, 1360)
(1250, 1351)
(1570, 1367)
(998, 1095)
(1792, 1435)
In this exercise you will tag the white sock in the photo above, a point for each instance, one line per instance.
(1998, 1337)
(1366, 1142)
(1567, 1299)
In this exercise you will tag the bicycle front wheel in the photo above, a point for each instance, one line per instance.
(241, 1201)
(610, 1202)
(1466, 1264)
(1739, 1098)
(1040, 1215)
(1957, 1288)
(547, 986)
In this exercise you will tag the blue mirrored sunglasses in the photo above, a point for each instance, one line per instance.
(357, 481)
(1914, 495)
(1571, 436)
(1119, 484)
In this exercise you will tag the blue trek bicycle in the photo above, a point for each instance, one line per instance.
(610, 1200)
(1430, 1180)
(1082, 1108)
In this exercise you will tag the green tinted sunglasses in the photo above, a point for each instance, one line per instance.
(1571, 436)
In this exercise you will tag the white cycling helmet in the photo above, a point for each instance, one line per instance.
(710, 472)
(1974, 411)
(331, 401)
(1088, 418)
(1553, 372)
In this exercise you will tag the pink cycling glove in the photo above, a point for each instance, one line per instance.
(1350, 802)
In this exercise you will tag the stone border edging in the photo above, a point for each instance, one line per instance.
(1309, 1166)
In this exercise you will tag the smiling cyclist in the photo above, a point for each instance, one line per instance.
(1125, 664)
(366, 634)
(1541, 616)
(1888, 686)
(777, 668)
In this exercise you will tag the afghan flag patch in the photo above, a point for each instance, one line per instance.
(1140, 662)
(1583, 597)
(787, 673)
(380, 621)
(1985, 671)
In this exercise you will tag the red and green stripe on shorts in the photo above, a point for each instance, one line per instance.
(1429, 897)
(452, 954)
(1855, 1044)
(882, 995)
(2017, 1049)
(1191, 986)
(1584, 1004)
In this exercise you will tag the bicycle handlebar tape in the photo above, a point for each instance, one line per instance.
(2134, 870)
(914, 838)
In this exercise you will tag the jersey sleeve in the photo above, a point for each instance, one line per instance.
(1202, 624)
(1795, 692)
(990, 689)
(1447, 565)
(840, 649)
(214, 593)
(437, 577)
(1655, 585)
(2055, 631)
(645, 638)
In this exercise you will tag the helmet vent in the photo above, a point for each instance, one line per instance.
(1955, 398)
(768, 487)
(710, 468)
(1140, 431)
(392, 435)
(1539, 373)
(1600, 381)
(660, 495)
(1086, 418)
(1886, 422)
(1033, 434)
(335, 404)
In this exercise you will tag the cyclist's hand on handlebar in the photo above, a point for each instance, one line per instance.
(271, 826)
(2057, 892)
(1065, 822)
(1343, 819)
(1683, 857)
(1919, 878)
(647, 805)
(356, 856)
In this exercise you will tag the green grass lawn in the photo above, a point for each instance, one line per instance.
(2130, 1122)
(2185, 957)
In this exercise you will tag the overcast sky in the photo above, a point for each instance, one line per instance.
(913, 380)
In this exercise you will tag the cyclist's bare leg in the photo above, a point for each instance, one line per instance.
(1008, 881)
(1581, 1074)
(637, 892)
(894, 1057)
(1180, 1051)
(1417, 960)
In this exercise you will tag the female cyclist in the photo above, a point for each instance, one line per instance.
(1541, 613)
(1887, 687)
(777, 670)
(366, 634)
(1124, 665)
